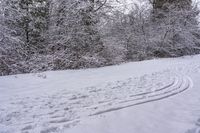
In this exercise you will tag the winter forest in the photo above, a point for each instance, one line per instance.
(41, 35)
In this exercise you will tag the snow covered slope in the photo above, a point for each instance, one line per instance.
(156, 96)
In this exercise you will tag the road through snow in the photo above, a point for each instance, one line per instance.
(156, 96)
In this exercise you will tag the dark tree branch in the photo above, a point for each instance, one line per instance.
(101, 6)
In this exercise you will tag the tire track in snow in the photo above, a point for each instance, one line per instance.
(180, 85)
(65, 109)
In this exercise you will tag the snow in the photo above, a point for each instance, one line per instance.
(155, 96)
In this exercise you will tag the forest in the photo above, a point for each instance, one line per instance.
(47, 35)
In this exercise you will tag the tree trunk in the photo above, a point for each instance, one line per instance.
(27, 24)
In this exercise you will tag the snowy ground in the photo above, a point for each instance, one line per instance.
(156, 96)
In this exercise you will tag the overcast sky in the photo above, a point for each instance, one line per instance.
(125, 5)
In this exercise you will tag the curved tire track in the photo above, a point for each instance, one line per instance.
(179, 85)
(65, 109)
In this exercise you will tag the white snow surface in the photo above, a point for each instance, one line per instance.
(155, 96)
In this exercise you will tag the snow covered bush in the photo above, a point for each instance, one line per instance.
(75, 41)
(49, 35)
(40, 35)
(146, 33)
(175, 31)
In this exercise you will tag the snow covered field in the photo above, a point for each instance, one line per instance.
(156, 96)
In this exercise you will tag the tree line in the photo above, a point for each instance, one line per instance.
(40, 35)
